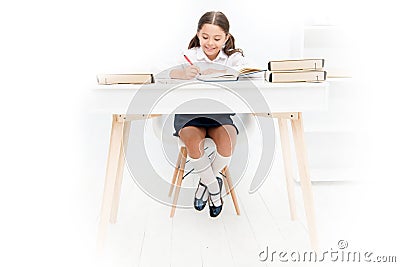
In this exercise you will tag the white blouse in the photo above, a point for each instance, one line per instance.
(197, 55)
(234, 62)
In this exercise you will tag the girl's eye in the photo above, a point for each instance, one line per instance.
(204, 37)
(217, 40)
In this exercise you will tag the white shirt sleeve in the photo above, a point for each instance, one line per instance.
(237, 61)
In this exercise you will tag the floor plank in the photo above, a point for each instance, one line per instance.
(215, 249)
(156, 247)
(125, 238)
(186, 241)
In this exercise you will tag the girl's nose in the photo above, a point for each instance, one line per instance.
(210, 42)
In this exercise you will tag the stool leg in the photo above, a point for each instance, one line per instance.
(179, 182)
(287, 162)
(228, 180)
(178, 163)
(227, 189)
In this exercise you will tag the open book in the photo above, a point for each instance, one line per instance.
(220, 77)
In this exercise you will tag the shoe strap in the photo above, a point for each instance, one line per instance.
(219, 183)
(204, 191)
(215, 194)
(200, 183)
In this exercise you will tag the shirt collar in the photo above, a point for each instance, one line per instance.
(202, 56)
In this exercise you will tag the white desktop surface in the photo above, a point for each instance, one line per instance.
(281, 97)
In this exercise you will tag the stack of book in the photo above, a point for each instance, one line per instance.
(300, 70)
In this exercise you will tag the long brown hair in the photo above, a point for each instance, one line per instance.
(219, 19)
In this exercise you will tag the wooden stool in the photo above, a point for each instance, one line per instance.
(178, 173)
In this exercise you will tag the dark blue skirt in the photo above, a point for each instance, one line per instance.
(202, 120)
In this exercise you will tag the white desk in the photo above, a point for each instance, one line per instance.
(281, 97)
(286, 102)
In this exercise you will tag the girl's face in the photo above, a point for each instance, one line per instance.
(212, 38)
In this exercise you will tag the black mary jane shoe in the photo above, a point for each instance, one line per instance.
(199, 203)
(215, 210)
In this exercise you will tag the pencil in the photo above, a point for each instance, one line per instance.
(188, 60)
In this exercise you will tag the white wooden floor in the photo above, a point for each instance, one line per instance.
(145, 235)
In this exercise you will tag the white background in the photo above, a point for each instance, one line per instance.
(50, 52)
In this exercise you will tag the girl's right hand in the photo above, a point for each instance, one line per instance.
(191, 71)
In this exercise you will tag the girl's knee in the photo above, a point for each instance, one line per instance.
(225, 147)
(225, 151)
(193, 140)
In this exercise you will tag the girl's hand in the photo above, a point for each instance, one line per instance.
(191, 71)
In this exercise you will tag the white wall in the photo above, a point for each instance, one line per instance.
(150, 38)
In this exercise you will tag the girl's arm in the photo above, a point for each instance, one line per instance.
(186, 73)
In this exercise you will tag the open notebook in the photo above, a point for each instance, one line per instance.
(220, 77)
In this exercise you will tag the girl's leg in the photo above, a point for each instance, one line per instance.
(193, 137)
(225, 140)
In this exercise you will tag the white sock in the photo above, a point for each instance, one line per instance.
(219, 163)
(202, 167)
(217, 166)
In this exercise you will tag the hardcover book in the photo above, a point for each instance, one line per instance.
(296, 76)
(107, 79)
(298, 64)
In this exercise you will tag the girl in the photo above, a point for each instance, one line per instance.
(212, 44)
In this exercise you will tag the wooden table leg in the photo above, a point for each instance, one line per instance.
(110, 179)
(306, 187)
(121, 164)
(287, 162)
